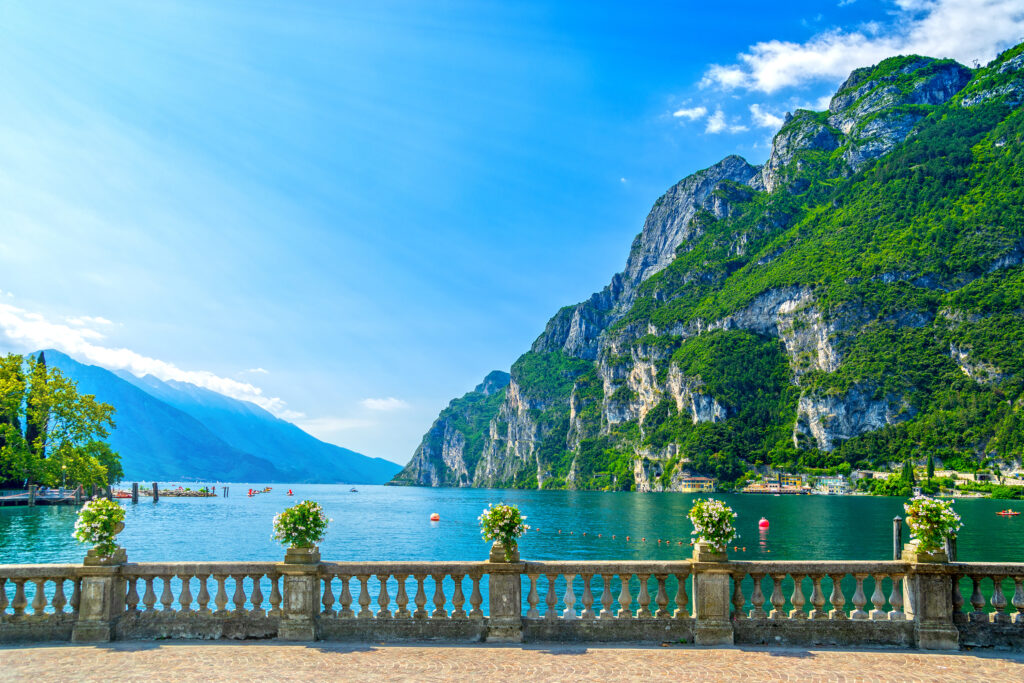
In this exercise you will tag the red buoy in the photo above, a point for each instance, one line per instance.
(763, 524)
(435, 517)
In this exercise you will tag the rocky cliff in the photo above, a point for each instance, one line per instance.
(855, 299)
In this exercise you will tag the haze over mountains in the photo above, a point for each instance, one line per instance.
(177, 431)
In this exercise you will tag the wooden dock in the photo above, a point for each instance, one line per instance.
(67, 498)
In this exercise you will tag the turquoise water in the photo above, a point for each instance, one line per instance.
(392, 523)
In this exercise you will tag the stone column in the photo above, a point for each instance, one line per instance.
(505, 596)
(711, 593)
(102, 598)
(928, 600)
(300, 578)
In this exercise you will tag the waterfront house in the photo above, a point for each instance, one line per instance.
(833, 486)
(698, 485)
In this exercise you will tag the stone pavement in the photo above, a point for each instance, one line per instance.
(268, 661)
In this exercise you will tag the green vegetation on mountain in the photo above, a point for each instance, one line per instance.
(862, 306)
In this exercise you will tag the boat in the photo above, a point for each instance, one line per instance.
(353, 491)
(1008, 513)
(122, 494)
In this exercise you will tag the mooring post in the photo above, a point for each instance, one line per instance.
(31, 495)
(135, 492)
(78, 495)
(92, 491)
(951, 548)
(156, 492)
(224, 490)
(110, 492)
(897, 537)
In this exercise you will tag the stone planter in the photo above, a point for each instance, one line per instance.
(94, 559)
(911, 553)
(703, 552)
(498, 553)
(302, 555)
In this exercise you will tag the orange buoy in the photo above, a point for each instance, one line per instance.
(435, 517)
(763, 524)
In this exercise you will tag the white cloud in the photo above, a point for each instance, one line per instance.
(29, 331)
(257, 371)
(961, 29)
(764, 119)
(718, 124)
(693, 113)
(325, 427)
(384, 404)
(86, 320)
(844, 3)
(623, 180)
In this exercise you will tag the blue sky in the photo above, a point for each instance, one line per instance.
(350, 212)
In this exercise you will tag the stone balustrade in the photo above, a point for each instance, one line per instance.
(931, 605)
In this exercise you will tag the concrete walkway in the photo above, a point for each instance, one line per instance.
(265, 661)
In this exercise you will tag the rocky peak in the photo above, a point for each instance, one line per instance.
(495, 381)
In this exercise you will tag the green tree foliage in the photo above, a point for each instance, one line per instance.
(61, 442)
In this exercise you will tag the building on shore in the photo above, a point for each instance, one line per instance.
(832, 486)
(698, 485)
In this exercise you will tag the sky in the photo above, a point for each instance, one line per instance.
(350, 212)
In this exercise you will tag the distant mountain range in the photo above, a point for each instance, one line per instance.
(178, 431)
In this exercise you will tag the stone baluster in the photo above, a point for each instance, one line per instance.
(257, 596)
(661, 597)
(3, 597)
(458, 599)
(797, 599)
(878, 599)
(238, 598)
(439, 600)
(959, 616)
(532, 599)
(837, 599)
(39, 599)
(185, 598)
(421, 598)
(757, 598)
(383, 598)
(327, 599)
(737, 596)
(625, 598)
(275, 594)
(220, 599)
(859, 599)
(570, 598)
(551, 599)
(1017, 602)
(364, 597)
(346, 598)
(588, 598)
(59, 600)
(644, 599)
(131, 598)
(681, 599)
(476, 598)
(204, 595)
(978, 602)
(777, 599)
(896, 598)
(402, 598)
(999, 614)
(817, 598)
(166, 596)
(606, 597)
(76, 595)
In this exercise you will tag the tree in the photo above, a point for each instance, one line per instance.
(931, 467)
(63, 430)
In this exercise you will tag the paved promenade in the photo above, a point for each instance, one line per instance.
(258, 661)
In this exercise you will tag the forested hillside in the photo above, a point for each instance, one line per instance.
(858, 300)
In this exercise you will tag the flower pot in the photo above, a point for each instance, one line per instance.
(704, 552)
(498, 553)
(912, 553)
(94, 559)
(302, 555)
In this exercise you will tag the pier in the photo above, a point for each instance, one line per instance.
(33, 497)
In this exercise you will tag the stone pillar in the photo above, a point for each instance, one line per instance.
(102, 598)
(505, 596)
(711, 593)
(300, 576)
(156, 492)
(928, 600)
(135, 492)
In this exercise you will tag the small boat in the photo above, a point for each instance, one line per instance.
(353, 491)
(122, 494)
(1008, 513)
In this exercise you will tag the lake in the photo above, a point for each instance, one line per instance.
(392, 523)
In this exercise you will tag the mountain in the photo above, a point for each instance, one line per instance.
(854, 301)
(174, 430)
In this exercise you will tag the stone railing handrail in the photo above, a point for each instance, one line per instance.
(919, 601)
